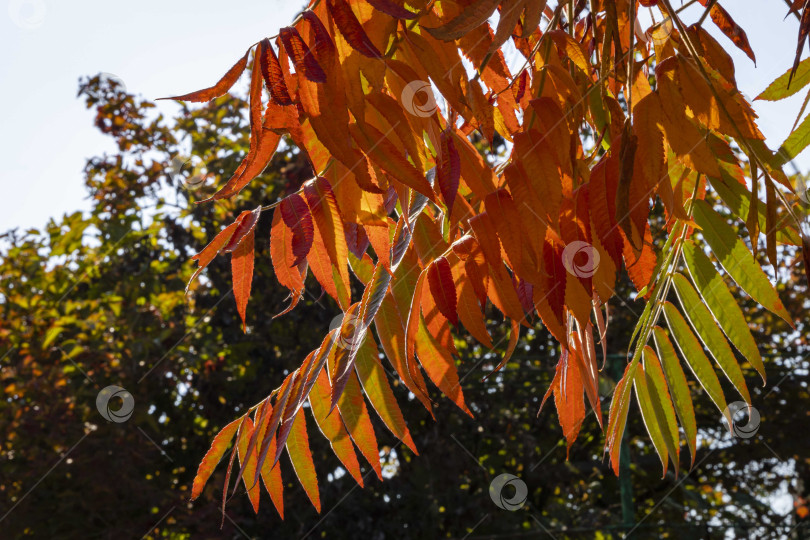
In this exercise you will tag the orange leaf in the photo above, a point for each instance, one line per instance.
(227, 240)
(213, 248)
(242, 270)
(469, 310)
(389, 158)
(248, 463)
(213, 456)
(263, 144)
(569, 398)
(440, 366)
(247, 221)
(332, 428)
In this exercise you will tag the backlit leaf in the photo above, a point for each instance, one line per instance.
(737, 260)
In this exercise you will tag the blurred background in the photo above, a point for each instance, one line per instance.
(97, 224)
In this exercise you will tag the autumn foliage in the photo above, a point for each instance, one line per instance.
(603, 120)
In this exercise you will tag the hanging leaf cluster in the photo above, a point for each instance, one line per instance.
(603, 120)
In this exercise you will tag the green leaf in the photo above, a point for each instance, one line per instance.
(738, 200)
(678, 387)
(778, 89)
(51, 335)
(692, 352)
(722, 304)
(737, 260)
(662, 404)
(710, 334)
(797, 141)
(645, 403)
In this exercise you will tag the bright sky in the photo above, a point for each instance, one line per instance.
(165, 47)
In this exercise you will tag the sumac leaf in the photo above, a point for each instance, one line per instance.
(302, 58)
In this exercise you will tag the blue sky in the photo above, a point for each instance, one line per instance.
(160, 48)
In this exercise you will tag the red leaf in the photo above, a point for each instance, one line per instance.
(297, 217)
(242, 270)
(247, 220)
(440, 279)
(552, 253)
(302, 58)
(356, 239)
(281, 253)
(222, 86)
(520, 88)
(273, 75)
(448, 169)
(394, 10)
(323, 41)
(351, 29)
(804, 30)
